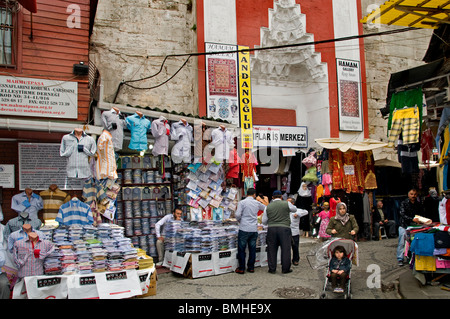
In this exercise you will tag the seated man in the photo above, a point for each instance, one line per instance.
(379, 219)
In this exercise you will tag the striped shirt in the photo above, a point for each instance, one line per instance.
(78, 162)
(105, 165)
(21, 234)
(53, 201)
(27, 263)
(75, 212)
(93, 190)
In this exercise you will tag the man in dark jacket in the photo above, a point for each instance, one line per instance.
(409, 208)
(380, 219)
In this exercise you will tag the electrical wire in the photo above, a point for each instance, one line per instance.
(284, 46)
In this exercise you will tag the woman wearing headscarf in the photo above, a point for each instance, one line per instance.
(304, 201)
(343, 225)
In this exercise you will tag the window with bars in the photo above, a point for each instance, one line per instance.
(8, 11)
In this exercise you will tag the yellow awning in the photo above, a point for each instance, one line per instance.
(426, 14)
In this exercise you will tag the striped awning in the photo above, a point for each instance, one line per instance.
(425, 14)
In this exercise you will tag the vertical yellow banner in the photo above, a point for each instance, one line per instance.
(245, 98)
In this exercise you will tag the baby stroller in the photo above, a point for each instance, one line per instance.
(351, 249)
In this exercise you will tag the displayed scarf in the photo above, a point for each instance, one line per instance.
(343, 219)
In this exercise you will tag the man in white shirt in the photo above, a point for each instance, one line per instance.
(295, 230)
(176, 215)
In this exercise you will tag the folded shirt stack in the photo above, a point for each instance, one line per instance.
(76, 232)
(68, 260)
(99, 258)
(52, 264)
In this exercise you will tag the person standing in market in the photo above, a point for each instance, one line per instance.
(409, 208)
(247, 215)
(277, 217)
(176, 215)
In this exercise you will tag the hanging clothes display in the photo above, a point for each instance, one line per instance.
(78, 151)
(406, 122)
(336, 163)
(426, 146)
(409, 99)
(407, 156)
(114, 121)
(349, 181)
(105, 165)
(160, 129)
(139, 126)
(222, 142)
(182, 133)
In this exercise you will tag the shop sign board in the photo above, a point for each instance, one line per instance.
(245, 98)
(40, 165)
(222, 82)
(38, 97)
(350, 95)
(7, 175)
(280, 136)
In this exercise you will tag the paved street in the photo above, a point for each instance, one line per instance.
(303, 283)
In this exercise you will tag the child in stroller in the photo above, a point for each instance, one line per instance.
(341, 255)
(340, 267)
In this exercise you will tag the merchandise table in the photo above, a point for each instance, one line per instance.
(197, 265)
(103, 285)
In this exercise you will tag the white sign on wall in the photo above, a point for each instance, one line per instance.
(38, 97)
(40, 166)
(7, 175)
(222, 83)
(280, 136)
(350, 97)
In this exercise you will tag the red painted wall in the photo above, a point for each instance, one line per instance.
(55, 47)
(283, 117)
(252, 15)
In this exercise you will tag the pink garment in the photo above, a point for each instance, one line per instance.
(326, 179)
(325, 216)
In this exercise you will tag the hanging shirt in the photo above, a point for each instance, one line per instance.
(161, 132)
(114, 122)
(139, 127)
(21, 203)
(75, 212)
(21, 234)
(222, 142)
(25, 259)
(52, 201)
(78, 152)
(183, 135)
(16, 223)
(105, 166)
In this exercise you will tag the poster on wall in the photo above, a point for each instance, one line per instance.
(38, 97)
(40, 166)
(222, 83)
(349, 93)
